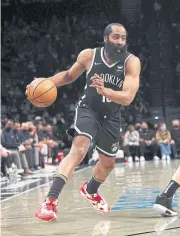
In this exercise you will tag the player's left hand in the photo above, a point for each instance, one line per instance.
(98, 83)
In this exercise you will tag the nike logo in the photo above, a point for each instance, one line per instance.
(97, 63)
(120, 67)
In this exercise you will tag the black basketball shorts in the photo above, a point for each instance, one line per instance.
(104, 132)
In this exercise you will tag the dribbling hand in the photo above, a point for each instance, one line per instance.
(32, 83)
(98, 83)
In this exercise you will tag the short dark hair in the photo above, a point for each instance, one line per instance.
(108, 29)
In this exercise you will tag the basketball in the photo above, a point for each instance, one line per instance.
(42, 92)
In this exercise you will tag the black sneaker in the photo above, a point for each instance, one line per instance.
(163, 205)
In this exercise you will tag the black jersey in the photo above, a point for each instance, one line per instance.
(113, 76)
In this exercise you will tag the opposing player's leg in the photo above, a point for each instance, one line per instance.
(65, 170)
(89, 190)
(163, 204)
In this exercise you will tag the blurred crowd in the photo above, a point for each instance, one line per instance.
(168, 21)
(141, 140)
(26, 147)
(176, 54)
(40, 46)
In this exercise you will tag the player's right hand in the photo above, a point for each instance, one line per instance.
(98, 83)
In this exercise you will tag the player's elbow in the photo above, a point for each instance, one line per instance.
(127, 100)
(126, 103)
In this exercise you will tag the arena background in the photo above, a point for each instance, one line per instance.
(43, 37)
(54, 32)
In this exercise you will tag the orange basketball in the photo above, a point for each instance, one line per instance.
(42, 92)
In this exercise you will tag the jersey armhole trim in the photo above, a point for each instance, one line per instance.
(91, 62)
(125, 64)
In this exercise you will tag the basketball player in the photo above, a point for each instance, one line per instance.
(163, 204)
(112, 80)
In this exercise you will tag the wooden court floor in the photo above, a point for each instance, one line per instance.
(130, 190)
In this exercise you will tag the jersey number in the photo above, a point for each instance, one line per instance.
(105, 99)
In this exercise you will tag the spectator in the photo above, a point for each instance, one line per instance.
(8, 169)
(10, 142)
(23, 137)
(42, 137)
(138, 126)
(155, 128)
(36, 145)
(175, 134)
(52, 144)
(147, 141)
(163, 137)
(131, 143)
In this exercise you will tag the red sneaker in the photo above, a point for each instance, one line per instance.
(95, 199)
(48, 210)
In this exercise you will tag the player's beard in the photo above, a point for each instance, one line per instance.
(114, 51)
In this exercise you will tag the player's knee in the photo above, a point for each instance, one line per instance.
(109, 166)
(79, 153)
(80, 147)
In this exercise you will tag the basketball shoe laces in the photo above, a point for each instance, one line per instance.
(95, 198)
(51, 204)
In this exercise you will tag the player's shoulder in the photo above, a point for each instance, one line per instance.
(133, 62)
(132, 58)
(86, 54)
